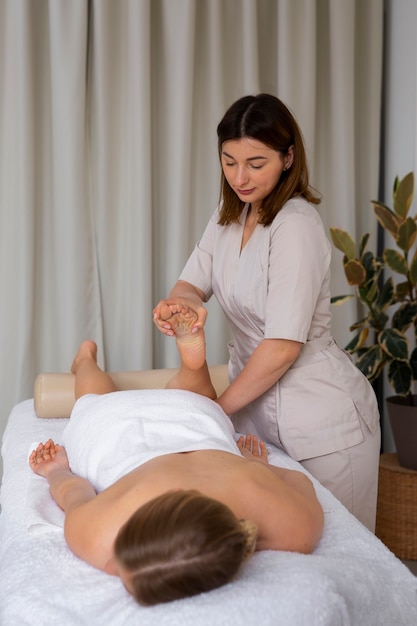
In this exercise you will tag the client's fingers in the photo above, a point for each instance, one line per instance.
(251, 443)
(263, 450)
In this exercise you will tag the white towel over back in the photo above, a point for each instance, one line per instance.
(110, 435)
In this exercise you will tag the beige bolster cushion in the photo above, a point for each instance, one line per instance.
(54, 393)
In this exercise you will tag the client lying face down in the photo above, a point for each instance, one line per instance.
(180, 523)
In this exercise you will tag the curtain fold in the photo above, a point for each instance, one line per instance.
(48, 269)
(121, 172)
(109, 169)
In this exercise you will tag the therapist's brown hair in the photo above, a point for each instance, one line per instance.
(266, 118)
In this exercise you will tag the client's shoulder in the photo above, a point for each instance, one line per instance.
(285, 508)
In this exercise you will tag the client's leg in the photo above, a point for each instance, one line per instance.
(193, 374)
(89, 378)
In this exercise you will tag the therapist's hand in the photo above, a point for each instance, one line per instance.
(194, 305)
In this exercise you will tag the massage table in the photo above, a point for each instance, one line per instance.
(350, 579)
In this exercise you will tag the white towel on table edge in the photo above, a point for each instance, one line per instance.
(42, 514)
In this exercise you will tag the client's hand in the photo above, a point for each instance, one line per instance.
(252, 448)
(48, 457)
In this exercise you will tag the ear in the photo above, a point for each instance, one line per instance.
(112, 567)
(289, 158)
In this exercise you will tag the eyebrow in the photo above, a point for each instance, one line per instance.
(254, 158)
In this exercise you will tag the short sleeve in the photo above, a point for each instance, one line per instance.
(199, 268)
(299, 265)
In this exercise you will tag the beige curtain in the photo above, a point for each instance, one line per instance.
(109, 170)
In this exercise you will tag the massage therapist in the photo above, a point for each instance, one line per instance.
(265, 256)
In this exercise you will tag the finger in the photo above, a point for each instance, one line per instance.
(164, 327)
(161, 324)
(200, 321)
(36, 455)
(178, 308)
(156, 313)
(264, 449)
(49, 449)
(52, 447)
(248, 443)
(255, 445)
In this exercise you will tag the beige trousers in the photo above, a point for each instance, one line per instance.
(352, 476)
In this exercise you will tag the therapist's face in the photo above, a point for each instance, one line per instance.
(252, 168)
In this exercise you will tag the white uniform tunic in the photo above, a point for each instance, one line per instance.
(278, 286)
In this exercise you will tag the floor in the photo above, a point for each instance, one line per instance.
(412, 566)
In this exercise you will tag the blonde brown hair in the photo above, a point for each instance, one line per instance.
(265, 118)
(180, 544)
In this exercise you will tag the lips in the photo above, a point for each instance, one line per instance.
(245, 192)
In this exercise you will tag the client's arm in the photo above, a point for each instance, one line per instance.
(68, 490)
(76, 497)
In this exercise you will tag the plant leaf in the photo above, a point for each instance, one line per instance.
(413, 269)
(373, 291)
(395, 261)
(402, 291)
(338, 300)
(394, 343)
(358, 341)
(355, 272)
(386, 294)
(368, 293)
(370, 361)
(378, 320)
(399, 377)
(362, 244)
(404, 316)
(403, 195)
(344, 242)
(407, 234)
(373, 265)
(358, 324)
(413, 363)
(387, 218)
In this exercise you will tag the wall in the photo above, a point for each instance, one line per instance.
(399, 112)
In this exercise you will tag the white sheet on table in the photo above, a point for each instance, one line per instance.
(351, 579)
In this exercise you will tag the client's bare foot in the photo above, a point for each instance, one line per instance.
(191, 345)
(87, 350)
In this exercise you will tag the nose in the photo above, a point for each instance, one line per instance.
(241, 175)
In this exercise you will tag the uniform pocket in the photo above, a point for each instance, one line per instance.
(317, 415)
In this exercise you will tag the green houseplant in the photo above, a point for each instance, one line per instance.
(386, 335)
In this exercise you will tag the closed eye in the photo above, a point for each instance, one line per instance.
(251, 165)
